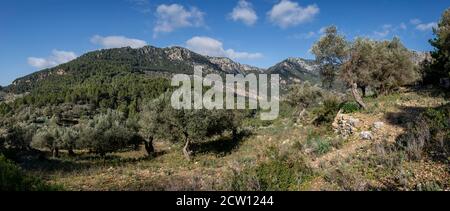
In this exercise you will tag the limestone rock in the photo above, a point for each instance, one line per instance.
(345, 125)
(378, 125)
(366, 135)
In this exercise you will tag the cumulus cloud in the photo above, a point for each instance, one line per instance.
(142, 6)
(287, 13)
(388, 29)
(304, 36)
(403, 26)
(117, 42)
(244, 12)
(423, 26)
(426, 26)
(174, 16)
(384, 32)
(212, 47)
(415, 21)
(57, 57)
(323, 30)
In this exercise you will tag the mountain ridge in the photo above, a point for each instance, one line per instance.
(172, 60)
(151, 60)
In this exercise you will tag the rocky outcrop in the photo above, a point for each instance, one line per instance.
(296, 70)
(345, 125)
(366, 135)
(228, 65)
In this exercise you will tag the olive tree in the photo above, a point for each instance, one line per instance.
(106, 133)
(380, 65)
(360, 66)
(393, 67)
(159, 120)
(191, 126)
(19, 136)
(56, 137)
(151, 122)
(331, 53)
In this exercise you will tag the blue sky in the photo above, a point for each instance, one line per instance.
(44, 33)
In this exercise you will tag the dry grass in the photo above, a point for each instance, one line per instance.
(349, 164)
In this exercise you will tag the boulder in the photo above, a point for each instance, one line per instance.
(366, 135)
(378, 125)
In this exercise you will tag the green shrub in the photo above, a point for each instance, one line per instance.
(320, 145)
(4, 109)
(304, 95)
(350, 107)
(428, 134)
(13, 179)
(279, 174)
(327, 112)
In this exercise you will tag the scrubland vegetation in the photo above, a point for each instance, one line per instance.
(378, 122)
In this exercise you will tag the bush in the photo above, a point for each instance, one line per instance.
(4, 109)
(319, 145)
(350, 107)
(283, 172)
(429, 134)
(327, 111)
(13, 179)
(276, 175)
(304, 95)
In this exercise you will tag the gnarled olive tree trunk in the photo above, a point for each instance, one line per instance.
(357, 96)
(149, 147)
(186, 149)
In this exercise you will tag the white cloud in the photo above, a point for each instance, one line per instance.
(310, 34)
(117, 42)
(323, 30)
(426, 26)
(415, 21)
(287, 13)
(174, 16)
(305, 36)
(244, 12)
(423, 26)
(403, 26)
(384, 32)
(142, 6)
(57, 57)
(212, 47)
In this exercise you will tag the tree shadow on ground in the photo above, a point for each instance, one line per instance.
(80, 162)
(406, 116)
(222, 146)
(425, 136)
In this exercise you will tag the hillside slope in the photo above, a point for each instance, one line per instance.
(258, 161)
(146, 60)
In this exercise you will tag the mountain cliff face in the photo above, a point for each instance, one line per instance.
(296, 70)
